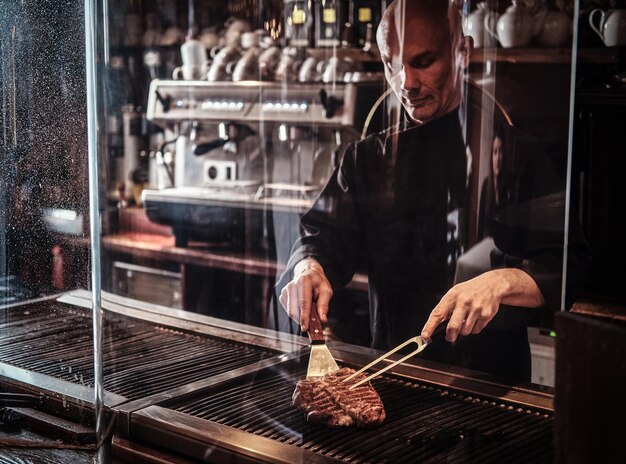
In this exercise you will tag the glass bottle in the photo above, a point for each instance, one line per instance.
(331, 16)
(298, 23)
(364, 13)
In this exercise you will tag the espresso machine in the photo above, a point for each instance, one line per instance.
(248, 158)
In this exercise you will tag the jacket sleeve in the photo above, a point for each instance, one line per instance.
(532, 230)
(329, 231)
(546, 268)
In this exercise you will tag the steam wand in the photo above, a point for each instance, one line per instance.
(168, 168)
(235, 133)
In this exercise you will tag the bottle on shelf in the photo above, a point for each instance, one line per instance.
(364, 15)
(298, 23)
(331, 16)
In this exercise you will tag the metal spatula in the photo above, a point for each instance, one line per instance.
(321, 361)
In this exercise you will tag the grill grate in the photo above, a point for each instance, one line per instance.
(140, 358)
(424, 424)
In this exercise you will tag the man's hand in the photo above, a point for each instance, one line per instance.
(309, 283)
(471, 305)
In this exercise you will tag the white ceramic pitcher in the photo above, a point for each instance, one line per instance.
(556, 29)
(517, 26)
(612, 26)
(475, 25)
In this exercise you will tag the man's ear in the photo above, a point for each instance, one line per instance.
(466, 45)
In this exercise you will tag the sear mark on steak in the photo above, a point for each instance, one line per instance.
(327, 400)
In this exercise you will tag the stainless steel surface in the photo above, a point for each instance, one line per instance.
(450, 377)
(321, 361)
(251, 101)
(196, 323)
(230, 198)
(148, 284)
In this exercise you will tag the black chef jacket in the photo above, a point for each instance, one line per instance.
(385, 210)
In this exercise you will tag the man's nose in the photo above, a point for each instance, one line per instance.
(410, 79)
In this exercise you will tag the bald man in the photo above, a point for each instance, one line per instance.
(385, 210)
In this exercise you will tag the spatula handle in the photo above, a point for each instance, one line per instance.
(316, 333)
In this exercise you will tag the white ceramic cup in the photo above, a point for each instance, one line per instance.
(193, 54)
(188, 72)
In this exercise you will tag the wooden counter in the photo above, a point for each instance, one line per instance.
(161, 248)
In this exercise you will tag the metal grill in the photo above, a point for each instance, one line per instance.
(424, 423)
(140, 358)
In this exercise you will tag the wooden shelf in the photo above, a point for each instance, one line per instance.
(599, 308)
(545, 55)
(162, 248)
(356, 54)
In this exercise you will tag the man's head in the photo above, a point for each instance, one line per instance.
(425, 54)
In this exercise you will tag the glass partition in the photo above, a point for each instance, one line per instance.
(385, 168)
(226, 125)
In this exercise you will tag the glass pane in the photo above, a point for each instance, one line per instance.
(46, 354)
(219, 139)
(264, 155)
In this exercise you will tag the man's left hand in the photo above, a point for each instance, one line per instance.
(471, 305)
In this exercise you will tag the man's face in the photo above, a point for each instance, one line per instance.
(423, 67)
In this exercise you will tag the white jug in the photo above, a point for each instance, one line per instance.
(612, 27)
(517, 26)
(476, 24)
(556, 29)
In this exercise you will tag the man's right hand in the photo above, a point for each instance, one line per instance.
(309, 283)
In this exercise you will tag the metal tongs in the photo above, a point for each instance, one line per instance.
(421, 343)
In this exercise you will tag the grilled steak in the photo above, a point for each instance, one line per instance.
(328, 401)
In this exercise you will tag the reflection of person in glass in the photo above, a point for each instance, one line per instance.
(495, 192)
(386, 206)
